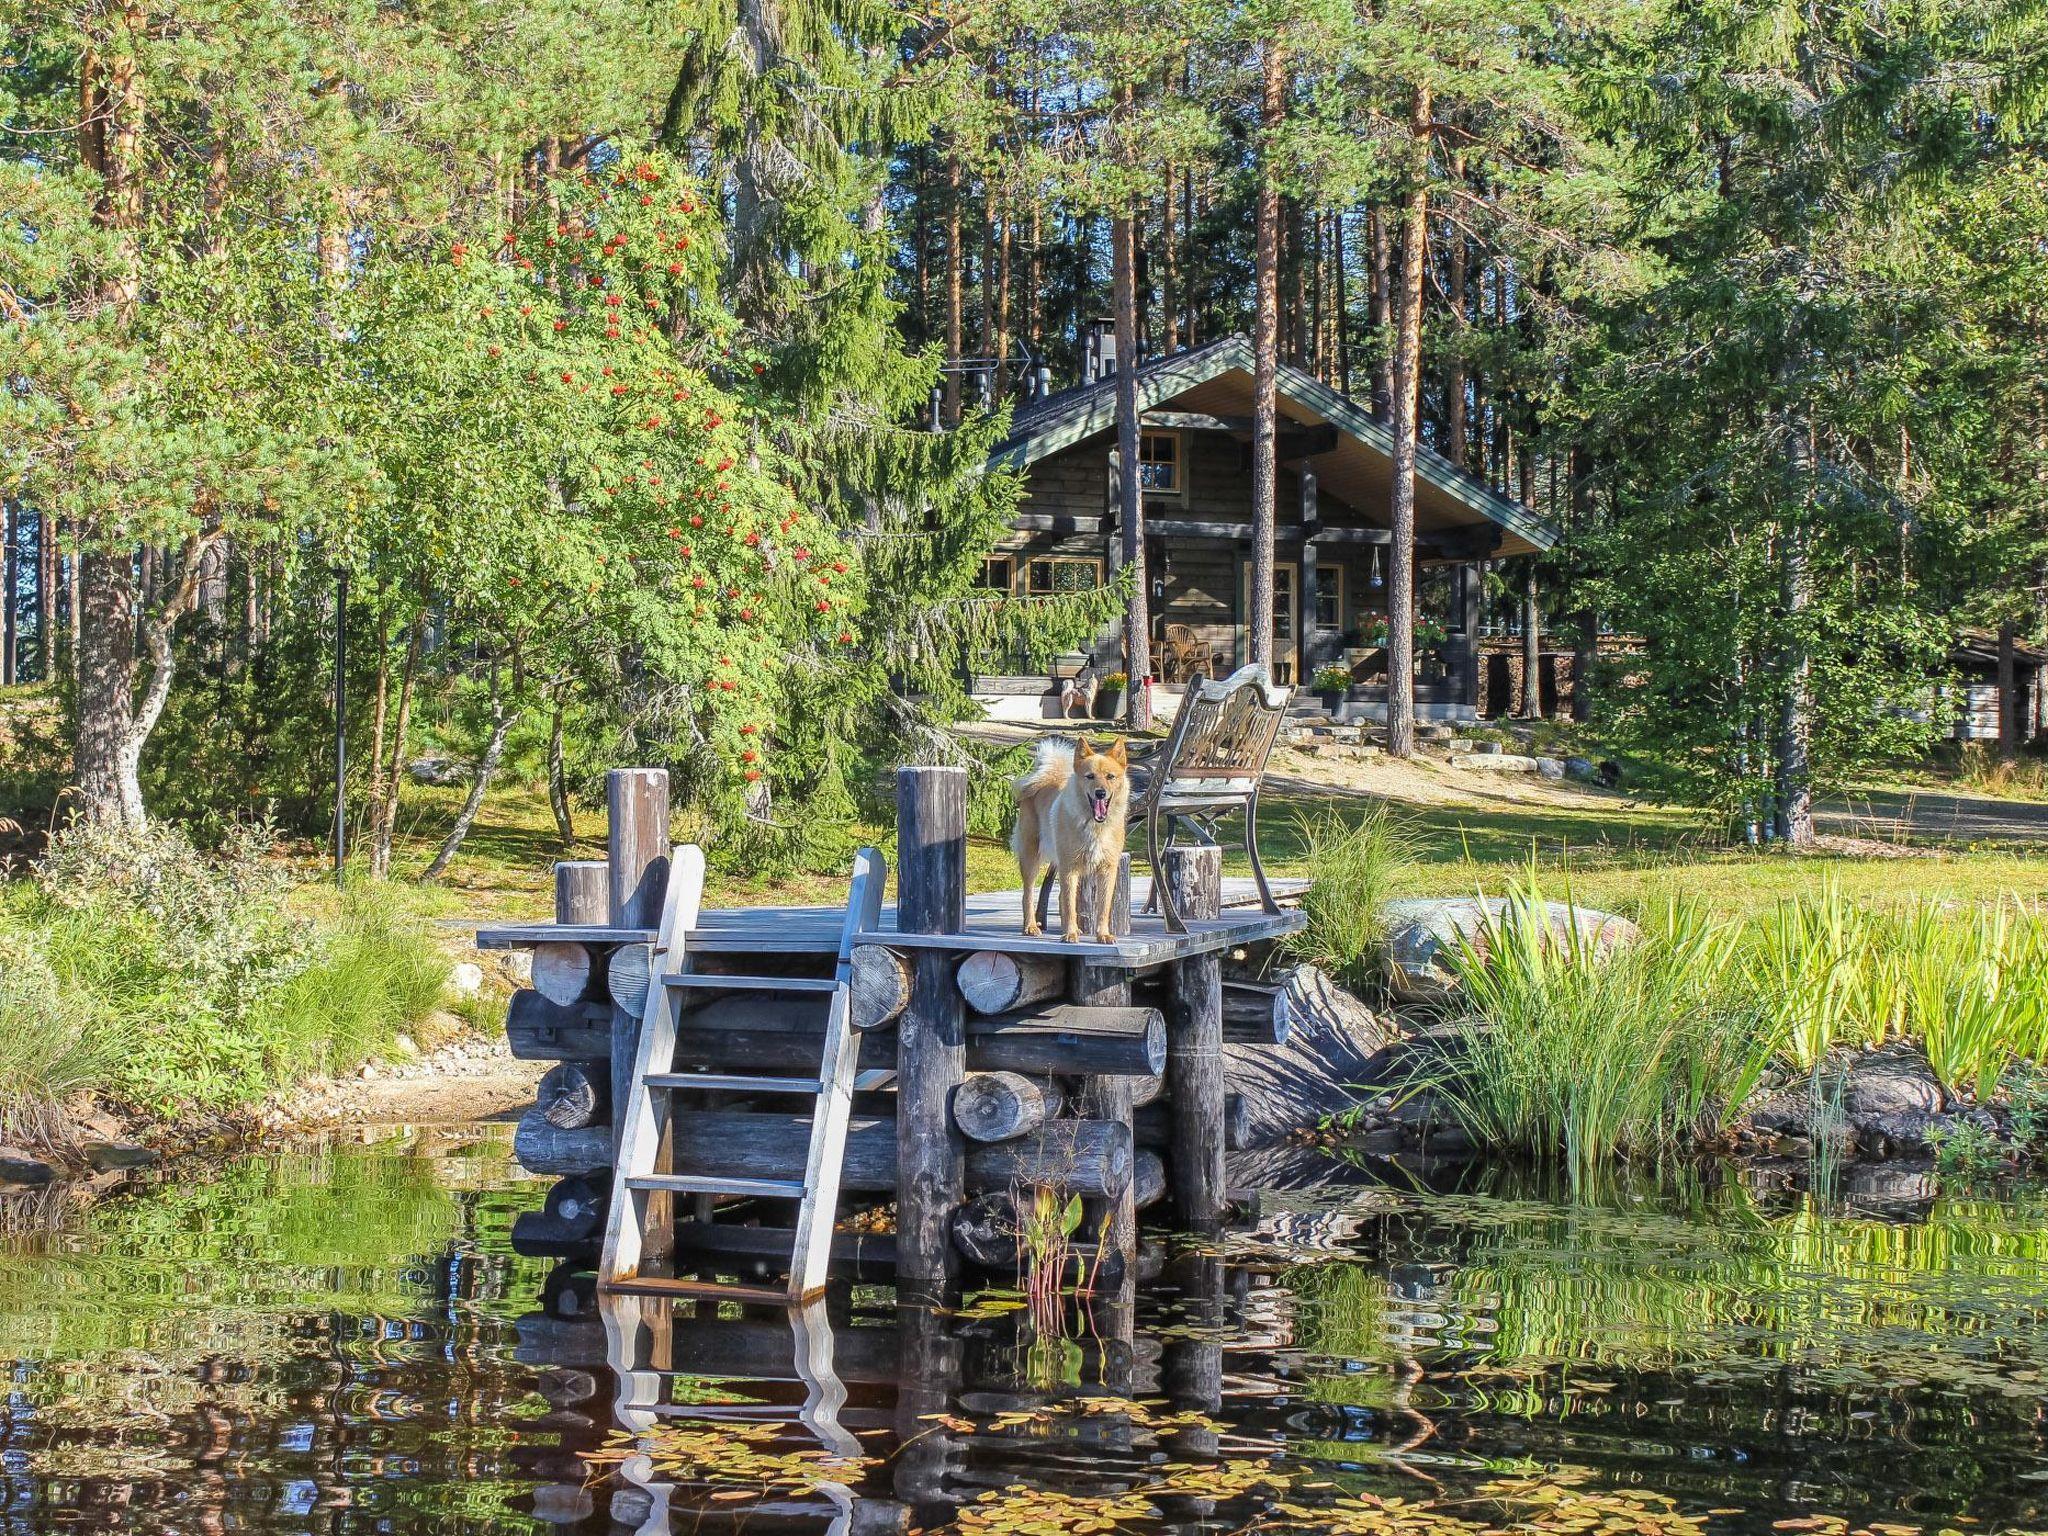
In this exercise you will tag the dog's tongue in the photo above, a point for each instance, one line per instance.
(1100, 808)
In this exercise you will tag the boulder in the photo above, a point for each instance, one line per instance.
(1335, 1051)
(1895, 1081)
(117, 1156)
(465, 978)
(1497, 762)
(442, 771)
(1550, 767)
(1421, 945)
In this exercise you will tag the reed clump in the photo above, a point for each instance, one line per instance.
(1584, 1054)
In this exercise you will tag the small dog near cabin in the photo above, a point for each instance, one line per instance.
(1071, 809)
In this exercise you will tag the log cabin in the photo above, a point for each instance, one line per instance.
(1332, 518)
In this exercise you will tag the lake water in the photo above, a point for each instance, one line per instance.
(339, 1339)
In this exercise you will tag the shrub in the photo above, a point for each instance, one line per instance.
(194, 984)
(1356, 864)
(1331, 679)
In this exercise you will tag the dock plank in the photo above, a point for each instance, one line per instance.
(992, 923)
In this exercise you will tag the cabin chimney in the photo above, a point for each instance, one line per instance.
(1099, 351)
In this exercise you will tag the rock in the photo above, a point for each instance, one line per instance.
(517, 966)
(110, 1156)
(1423, 933)
(466, 978)
(1550, 767)
(19, 1167)
(441, 771)
(1337, 1049)
(1894, 1081)
(1497, 762)
(1581, 768)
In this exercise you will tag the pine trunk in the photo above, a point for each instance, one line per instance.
(2008, 689)
(955, 300)
(1406, 403)
(1130, 492)
(384, 810)
(108, 789)
(1266, 356)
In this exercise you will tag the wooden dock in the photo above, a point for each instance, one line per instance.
(715, 1068)
(992, 922)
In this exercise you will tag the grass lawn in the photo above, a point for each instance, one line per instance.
(1467, 834)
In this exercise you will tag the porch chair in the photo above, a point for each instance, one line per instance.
(1184, 655)
(1212, 766)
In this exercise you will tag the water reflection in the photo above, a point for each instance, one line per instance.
(341, 1339)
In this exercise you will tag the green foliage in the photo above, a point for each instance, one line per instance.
(1586, 1054)
(1332, 679)
(1969, 982)
(1356, 864)
(47, 1051)
(191, 983)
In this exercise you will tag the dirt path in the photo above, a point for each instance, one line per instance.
(1935, 816)
(472, 1079)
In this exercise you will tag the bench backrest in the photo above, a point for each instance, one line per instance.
(1224, 731)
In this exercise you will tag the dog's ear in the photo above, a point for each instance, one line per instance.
(1118, 752)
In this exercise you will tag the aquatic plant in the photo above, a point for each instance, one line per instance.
(1586, 1053)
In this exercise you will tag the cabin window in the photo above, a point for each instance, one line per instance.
(1056, 575)
(999, 573)
(1330, 597)
(1159, 463)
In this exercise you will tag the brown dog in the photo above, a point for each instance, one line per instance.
(1071, 809)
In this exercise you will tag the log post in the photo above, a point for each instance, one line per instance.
(636, 801)
(996, 1106)
(1194, 1046)
(582, 892)
(931, 1051)
(1108, 1097)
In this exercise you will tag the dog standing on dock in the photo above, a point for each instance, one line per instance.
(1071, 808)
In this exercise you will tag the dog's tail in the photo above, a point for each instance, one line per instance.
(1051, 753)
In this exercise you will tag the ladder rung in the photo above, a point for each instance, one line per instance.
(874, 1077)
(655, 1285)
(705, 1184)
(736, 1082)
(750, 983)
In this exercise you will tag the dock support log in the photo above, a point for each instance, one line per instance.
(636, 800)
(995, 982)
(881, 985)
(1108, 1096)
(1194, 1046)
(931, 1051)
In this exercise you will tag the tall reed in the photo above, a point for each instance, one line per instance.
(1356, 864)
(1584, 1054)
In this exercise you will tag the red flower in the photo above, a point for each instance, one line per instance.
(526, 309)
(611, 300)
(561, 325)
(457, 251)
(696, 520)
(748, 730)
(568, 378)
(750, 756)
(511, 581)
(753, 774)
(823, 606)
(612, 331)
(675, 269)
(495, 351)
(597, 279)
(606, 370)
(753, 539)
(846, 637)
(511, 238)
(802, 553)
(839, 565)
(747, 614)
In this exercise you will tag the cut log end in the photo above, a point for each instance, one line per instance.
(881, 979)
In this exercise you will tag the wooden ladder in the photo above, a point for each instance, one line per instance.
(657, 1084)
